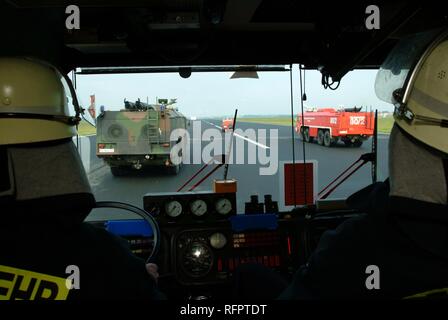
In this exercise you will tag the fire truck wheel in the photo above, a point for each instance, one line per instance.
(327, 139)
(357, 143)
(306, 135)
(320, 137)
(301, 136)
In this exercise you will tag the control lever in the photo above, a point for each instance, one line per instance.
(363, 159)
(269, 205)
(253, 206)
(223, 160)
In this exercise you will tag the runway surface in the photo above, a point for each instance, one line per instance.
(331, 162)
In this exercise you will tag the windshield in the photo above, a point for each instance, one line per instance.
(127, 155)
(395, 69)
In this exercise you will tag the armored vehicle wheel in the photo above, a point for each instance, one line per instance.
(117, 171)
(327, 139)
(320, 137)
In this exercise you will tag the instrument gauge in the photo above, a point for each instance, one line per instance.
(223, 206)
(198, 207)
(218, 240)
(197, 259)
(173, 208)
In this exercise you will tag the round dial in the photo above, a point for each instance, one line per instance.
(223, 206)
(218, 240)
(173, 208)
(198, 207)
(197, 259)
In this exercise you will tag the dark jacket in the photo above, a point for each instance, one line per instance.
(406, 239)
(108, 269)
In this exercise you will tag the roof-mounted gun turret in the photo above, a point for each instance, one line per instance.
(137, 106)
(166, 103)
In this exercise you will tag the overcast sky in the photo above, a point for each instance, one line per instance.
(214, 94)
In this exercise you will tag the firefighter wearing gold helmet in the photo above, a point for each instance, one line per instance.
(45, 197)
(399, 248)
(33, 103)
(422, 106)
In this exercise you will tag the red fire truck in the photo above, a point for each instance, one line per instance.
(328, 126)
(227, 124)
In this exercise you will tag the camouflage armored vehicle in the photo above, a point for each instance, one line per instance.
(139, 136)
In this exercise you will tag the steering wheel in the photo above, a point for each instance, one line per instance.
(142, 213)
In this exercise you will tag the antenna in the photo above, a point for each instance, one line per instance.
(375, 148)
(226, 167)
(223, 160)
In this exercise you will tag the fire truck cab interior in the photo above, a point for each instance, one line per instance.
(245, 36)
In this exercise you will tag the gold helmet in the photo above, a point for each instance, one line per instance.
(34, 102)
(417, 75)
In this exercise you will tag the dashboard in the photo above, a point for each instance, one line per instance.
(203, 240)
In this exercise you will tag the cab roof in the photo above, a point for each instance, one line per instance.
(127, 33)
